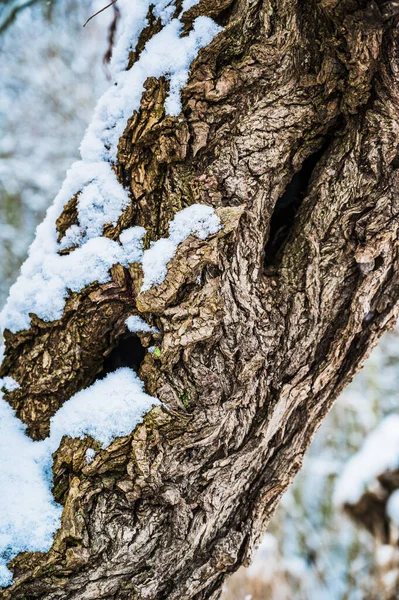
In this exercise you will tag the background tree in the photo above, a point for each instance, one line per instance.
(261, 325)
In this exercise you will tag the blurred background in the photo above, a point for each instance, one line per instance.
(335, 534)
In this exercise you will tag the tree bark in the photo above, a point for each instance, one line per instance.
(290, 131)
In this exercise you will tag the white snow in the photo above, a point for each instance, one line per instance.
(165, 54)
(198, 219)
(165, 10)
(133, 20)
(41, 124)
(187, 4)
(28, 513)
(90, 455)
(379, 452)
(110, 408)
(393, 507)
(131, 239)
(29, 517)
(9, 384)
(136, 324)
(47, 277)
(101, 201)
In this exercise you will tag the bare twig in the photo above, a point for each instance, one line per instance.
(100, 11)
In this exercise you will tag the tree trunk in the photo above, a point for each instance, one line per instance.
(290, 130)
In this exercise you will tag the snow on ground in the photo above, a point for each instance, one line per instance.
(46, 277)
(379, 453)
(29, 516)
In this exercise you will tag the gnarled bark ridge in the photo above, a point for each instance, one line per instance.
(290, 130)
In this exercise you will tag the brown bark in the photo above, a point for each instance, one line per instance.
(262, 324)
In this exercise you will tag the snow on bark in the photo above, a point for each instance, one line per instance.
(137, 324)
(111, 407)
(249, 361)
(29, 516)
(47, 277)
(198, 220)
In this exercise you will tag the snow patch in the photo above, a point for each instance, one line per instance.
(29, 516)
(131, 240)
(9, 384)
(165, 54)
(199, 220)
(136, 324)
(90, 455)
(101, 202)
(379, 452)
(47, 278)
(108, 409)
(187, 4)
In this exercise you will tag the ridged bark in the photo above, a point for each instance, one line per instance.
(262, 324)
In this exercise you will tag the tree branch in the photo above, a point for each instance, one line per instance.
(99, 11)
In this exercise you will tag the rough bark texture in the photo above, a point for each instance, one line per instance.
(262, 324)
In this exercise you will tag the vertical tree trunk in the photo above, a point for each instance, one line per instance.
(289, 130)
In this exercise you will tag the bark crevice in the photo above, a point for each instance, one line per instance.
(287, 206)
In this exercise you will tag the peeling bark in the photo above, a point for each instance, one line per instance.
(254, 346)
